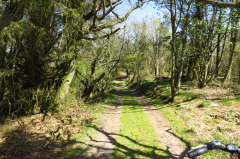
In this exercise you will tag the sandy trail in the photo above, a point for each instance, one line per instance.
(173, 143)
(101, 144)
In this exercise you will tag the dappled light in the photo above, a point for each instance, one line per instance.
(116, 79)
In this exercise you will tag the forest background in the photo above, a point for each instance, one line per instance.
(59, 58)
(50, 49)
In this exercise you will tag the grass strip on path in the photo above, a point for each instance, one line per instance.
(137, 137)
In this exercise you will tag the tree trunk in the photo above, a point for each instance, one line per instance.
(190, 68)
(158, 67)
(178, 55)
(64, 88)
(203, 76)
(132, 79)
(233, 42)
(239, 70)
(219, 36)
(173, 50)
(2, 89)
(127, 72)
(90, 87)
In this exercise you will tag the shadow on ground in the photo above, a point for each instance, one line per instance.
(23, 145)
(20, 144)
(122, 150)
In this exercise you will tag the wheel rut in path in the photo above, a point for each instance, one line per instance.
(176, 146)
(101, 144)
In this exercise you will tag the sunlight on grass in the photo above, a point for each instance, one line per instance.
(186, 108)
(231, 102)
(137, 137)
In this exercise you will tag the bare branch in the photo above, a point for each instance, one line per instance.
(117, 16)
(222, 4)
(109, 11)
(119, 20)
(104, 36)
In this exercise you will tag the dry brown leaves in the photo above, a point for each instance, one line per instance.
(31, 137)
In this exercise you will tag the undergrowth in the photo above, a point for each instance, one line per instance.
(97, 110)
(194, 118)
(50, 135)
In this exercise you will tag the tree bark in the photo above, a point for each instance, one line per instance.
(64, 88)
(174, 90)
(218, 45)
(90, 87)
(239, 70)
(178, 55)
(2, 89)
(233, 43)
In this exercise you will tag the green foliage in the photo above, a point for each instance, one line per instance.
(97, 70)
(39, 41)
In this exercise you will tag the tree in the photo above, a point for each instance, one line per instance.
(97, 69)
(179, 41)
(234, 19)
(39, 44)
(160, 38)
(207, 28)
(199, 36)
(136, 52)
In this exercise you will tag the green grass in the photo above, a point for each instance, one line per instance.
(170, 110)
(137, 137)
(187, 134)
(177, 116)
(187, 96)
(204, 103)
(231, 102)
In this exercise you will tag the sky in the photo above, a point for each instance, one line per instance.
(147, 11)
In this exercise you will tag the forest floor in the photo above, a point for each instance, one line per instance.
(130, 124)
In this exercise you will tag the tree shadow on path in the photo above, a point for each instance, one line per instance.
(121, 150)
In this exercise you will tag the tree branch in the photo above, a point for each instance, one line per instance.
(119, 20)
(101, 37)
(221, 4)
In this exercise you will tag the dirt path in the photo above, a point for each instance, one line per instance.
(173, 143)
(100, 145)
